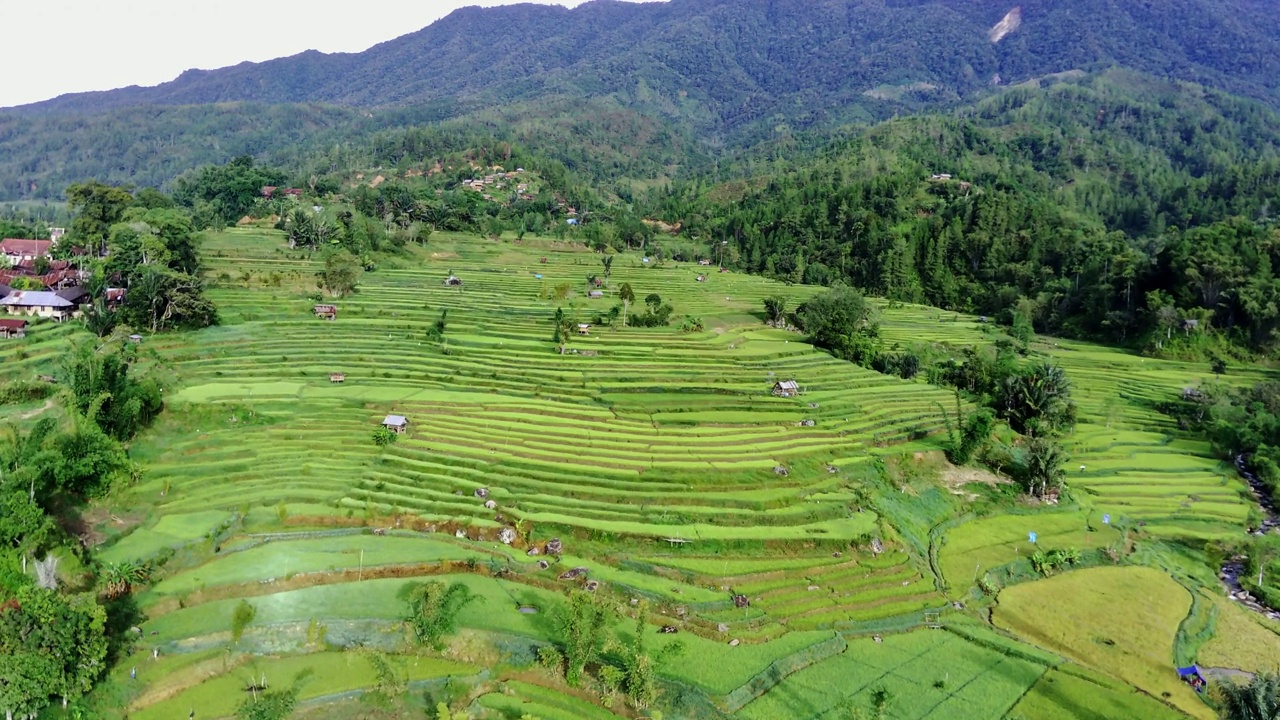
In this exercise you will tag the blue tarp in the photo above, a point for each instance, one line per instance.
(1188, 671)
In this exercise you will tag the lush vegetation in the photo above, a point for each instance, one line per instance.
(916, 490)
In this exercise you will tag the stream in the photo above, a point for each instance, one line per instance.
(1233, 568)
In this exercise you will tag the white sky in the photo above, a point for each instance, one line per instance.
(60, 46)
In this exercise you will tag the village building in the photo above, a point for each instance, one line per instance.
(453, 281)
(13, 329)
(17, 250)
(596, 294)
(327, 312)
(41, 303)
(396, 423)
(786, 388)
(337, 377)
(584, 329)
(74, 293)
(136, 339)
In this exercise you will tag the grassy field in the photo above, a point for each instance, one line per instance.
(669, 471)
(1117, 620)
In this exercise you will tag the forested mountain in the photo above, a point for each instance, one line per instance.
(1114, 207)
(718, 73)
(721, 63)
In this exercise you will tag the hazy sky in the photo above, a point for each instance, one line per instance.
(60, 46)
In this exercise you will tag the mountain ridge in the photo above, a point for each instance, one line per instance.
(741, 58)
(725, 74)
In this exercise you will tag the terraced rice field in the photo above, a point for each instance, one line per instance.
(659, 456)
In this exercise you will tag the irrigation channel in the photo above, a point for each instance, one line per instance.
(1233, 568)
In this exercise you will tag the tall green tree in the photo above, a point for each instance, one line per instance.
(341, 274)
(97, 207)
(433, 610)
(1259, 699)
(51, 645)
(583, 624)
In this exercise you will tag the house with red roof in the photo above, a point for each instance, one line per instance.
(13, 328)
(19, 249)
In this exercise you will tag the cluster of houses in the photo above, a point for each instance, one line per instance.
(271, 191)
(29, 264)
(498, 179)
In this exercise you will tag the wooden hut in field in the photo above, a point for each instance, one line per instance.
(596, 294)
(453, 281)
(786, 388)
(584, 329)
(337, 378)
(326, 312)
(396, 423)
(136, 339)
(13, 329)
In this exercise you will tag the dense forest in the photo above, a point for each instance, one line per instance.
(629, 91)
(1110, 207)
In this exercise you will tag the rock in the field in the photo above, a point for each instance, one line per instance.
(837, 554)
(490, 504)
(682, 611)
(722, 628)
(811, 588)
(533, 551)
(506, 536)
(808, 423)
(877, 547)
(544, 564)
(554, 546)
(669, 630)
(780, 470)
(459, 533)
(482, 493)
(593, 585)
(740, 601)
(573, 573)
(734, 642)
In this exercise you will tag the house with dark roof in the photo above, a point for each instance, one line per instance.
(74, 293)
(40, 303)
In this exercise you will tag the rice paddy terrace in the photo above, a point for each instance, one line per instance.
(668, 470)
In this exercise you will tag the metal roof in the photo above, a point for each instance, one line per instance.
(36, 298)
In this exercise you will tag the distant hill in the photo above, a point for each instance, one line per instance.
(719, 63)
(723, 72)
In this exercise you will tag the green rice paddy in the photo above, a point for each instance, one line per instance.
(668, 469)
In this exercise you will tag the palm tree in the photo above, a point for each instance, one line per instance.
(1045, 461)
(607, 261)
(119, 578)
(1258, 700)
